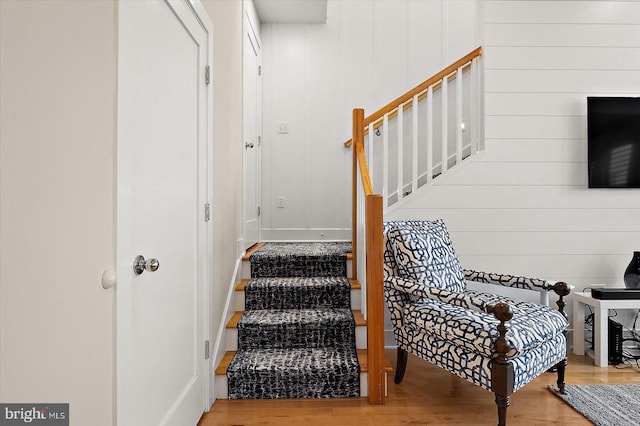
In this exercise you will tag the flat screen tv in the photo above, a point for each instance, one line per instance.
(613, 147)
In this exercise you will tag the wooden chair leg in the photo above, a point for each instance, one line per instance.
(503, 403)
(561, 367)
(401, 365)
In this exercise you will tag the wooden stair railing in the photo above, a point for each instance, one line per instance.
(420, 90)
(368, 212)
(374, 270)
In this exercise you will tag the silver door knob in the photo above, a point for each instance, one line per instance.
(248, 145)
(140, 265)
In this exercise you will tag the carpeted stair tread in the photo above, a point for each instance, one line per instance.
(296, 337)
(294, 373)
(297, 293)
(300, 260)
(295, 328)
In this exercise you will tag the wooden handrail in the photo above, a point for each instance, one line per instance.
(420, 90)
(364, 169)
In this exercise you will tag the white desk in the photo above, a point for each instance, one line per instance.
(600, 323)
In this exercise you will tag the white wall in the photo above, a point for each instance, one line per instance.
(523, 206)
(57, 205)
(57, 192)
(368, 53)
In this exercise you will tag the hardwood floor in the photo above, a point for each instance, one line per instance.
(427, 395)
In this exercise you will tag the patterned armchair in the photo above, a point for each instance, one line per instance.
(494, 342)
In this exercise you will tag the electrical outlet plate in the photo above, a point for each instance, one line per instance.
(283, 128)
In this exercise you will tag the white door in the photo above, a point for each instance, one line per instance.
(251, 132)
(163, 162)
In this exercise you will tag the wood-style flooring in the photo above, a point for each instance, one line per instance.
(427, 396)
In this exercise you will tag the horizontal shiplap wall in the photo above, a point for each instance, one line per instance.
(523, 205)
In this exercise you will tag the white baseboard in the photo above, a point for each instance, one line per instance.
(306, 234)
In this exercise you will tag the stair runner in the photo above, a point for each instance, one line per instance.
(296, 337)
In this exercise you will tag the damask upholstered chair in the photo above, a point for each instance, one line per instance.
(494, 342)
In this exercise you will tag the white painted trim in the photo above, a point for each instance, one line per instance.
(207, 24)
(306, 234)
(220, 347)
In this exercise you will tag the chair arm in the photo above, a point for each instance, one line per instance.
(413, 290)
(562, 289)
(507, 280)
(417, 292)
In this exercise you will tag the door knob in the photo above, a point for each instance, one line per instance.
(140, 265)
(248, 145)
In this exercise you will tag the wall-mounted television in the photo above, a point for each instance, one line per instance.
(613, 142)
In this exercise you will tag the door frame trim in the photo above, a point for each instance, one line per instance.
(206, 23)
(249, 29)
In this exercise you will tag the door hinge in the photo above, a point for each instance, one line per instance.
(207, 212)
(259, 140)
(207, 74)
(259, 210)
(206, 349)
(259, 69)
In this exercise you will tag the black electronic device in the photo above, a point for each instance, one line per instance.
(613, 142)
(614, 342)
(615, 293)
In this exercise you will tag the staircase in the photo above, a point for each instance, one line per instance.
(298, 331)
(295, 334)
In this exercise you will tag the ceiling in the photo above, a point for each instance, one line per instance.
(292, 11)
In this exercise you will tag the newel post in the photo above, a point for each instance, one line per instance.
(375, 299)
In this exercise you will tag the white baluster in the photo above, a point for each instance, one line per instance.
(480, 104)
(472, 101)
(445, 130)
(429, 136)
(385, 160)
(459, 116)
(369, 152)
(414, 169)
(400, 118)
(361, 243)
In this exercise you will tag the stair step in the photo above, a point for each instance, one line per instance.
(221, 370)
(303, 292)
(245, 270)
(294, 373)
(232, 328)
(252, 250)
(297, 293)
(222, 391)
(326, 259)
(295, 328)
(354, 284)
(357, 316)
